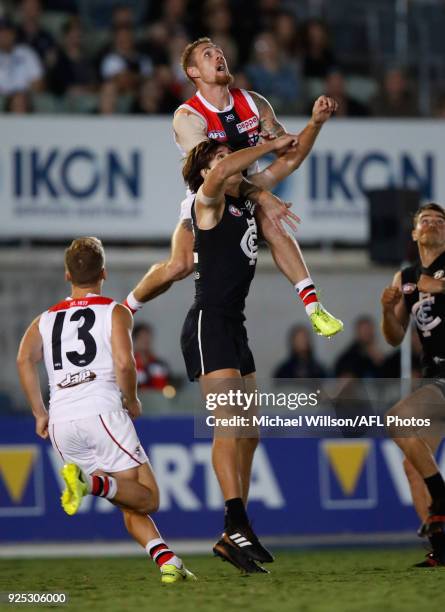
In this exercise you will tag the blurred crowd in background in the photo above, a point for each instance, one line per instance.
(105, 57)
(363, 358)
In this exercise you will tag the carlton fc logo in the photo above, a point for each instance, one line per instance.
(249, 242)
(233, 210)
(438, 274)
(421, 310)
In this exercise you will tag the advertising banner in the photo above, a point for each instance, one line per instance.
(303, 486)
(121, 179)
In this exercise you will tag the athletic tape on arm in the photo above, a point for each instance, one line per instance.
(206, 200)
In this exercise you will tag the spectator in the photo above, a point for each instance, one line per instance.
(301, 362)
(175, 48)
(318, 57)
(99, 14)
(20, 66)
(124, 65)
(72, 72)
(362, 358)
(172, 14)
(149, 98)
(395, 98)
(218, 26)
(30, 31)
(241, 81)
(18, 104)
(277, 79)
(108, 99)
(122, 16)
(335, 87)
(285, 29)
(152, 372)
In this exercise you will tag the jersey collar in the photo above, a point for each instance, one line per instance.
(213, 108)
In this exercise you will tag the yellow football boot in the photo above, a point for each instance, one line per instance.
(75, 489)
(171, 573)
(324, 324)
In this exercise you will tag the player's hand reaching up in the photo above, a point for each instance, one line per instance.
(277, 212)
(323, 108)
(391, 296)
(134, 408)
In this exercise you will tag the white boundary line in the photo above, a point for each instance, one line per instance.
(194, 547)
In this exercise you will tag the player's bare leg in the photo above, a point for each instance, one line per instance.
(422, 468)
(162, 275)
(289, 260)
(136, 493)
(247, 445)
(225, 444)
(419, 492)
(239, 545)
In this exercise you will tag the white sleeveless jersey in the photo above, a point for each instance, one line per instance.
(76, 337)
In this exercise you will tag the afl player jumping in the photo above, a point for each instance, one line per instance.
(240, 119)
(214, 340)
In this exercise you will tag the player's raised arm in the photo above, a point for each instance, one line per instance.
(395, 317)
(292, 160)
(234, 163)
(123, 358)
(29, 354)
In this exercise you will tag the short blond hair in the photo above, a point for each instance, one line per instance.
(85, 260)
(187, 58)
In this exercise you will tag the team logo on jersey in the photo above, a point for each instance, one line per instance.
(249, 242)
(422, 313)
(408, 288)
(233, 210)
(230, 117)
(253, 139)
(248, 124)
(438, 274)
(72, 380)
(216, 134)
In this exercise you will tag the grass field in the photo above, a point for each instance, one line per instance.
(311, 581)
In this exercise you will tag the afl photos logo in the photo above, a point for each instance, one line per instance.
(233, 210)
(422, 314)
(249, 242)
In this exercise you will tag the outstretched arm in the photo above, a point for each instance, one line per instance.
(291, 160)
(29, 355)
(214, 183)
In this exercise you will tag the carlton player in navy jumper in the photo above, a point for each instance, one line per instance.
(419, 291)
(85, 341)
(214, 340)
(239, 118)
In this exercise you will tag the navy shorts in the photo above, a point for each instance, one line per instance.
(212, 340)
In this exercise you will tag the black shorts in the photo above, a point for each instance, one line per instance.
(212, 340)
